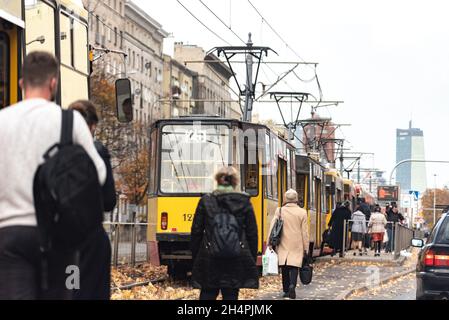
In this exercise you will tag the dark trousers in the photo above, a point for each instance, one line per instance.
(289, 277)
(377, 246)
(21, 267)
(212, 294)
(95, 268)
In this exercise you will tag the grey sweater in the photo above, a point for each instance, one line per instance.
(27, 130)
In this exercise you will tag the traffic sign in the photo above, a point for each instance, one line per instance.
(415, 194)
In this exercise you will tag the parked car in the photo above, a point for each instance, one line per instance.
(432, 270)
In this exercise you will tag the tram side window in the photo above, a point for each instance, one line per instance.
(80, 52)
(40, 26)
(301, 189)
(66, 40)
(251, 168)
(4, 70)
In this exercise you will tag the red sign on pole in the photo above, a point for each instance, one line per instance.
(388, 193)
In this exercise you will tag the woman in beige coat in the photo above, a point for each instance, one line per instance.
(294, 242)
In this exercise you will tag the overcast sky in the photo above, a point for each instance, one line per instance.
(387, 60)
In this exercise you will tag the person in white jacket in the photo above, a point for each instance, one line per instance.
(377, 224)
(27, 130)
(358, 230)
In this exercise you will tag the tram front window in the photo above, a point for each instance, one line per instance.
(190, 156)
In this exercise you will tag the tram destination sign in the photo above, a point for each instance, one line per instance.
(388, 193)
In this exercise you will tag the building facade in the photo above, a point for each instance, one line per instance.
(410, 145)
(144, 41)
(178, 89)
(211, 89)
(106, 31)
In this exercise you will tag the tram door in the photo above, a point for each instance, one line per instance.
(282, 179)
(318, 206)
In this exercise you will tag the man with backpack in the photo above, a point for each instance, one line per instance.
(29, 269)
(224, 240)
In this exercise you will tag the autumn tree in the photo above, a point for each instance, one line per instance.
(441, 199)
(126, 142)
(133, 172)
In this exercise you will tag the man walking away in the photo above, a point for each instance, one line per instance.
(27, 130)
(95, 253)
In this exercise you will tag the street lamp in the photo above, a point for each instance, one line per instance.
(434, 198)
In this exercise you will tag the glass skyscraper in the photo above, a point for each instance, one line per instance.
(410, 145)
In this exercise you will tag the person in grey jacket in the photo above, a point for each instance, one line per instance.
(358, 230)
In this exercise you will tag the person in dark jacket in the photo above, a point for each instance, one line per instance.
(227, 275)
(336, 224)
(393, 216)
(95, 253)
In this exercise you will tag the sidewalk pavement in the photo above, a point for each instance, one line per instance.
(335, 278)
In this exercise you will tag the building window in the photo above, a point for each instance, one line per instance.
(115, 4)
(115, 36)
(141, 64)
(120, 7)
(121, 39)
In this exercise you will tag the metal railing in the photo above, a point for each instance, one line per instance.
(128, 242)
(399, 237)
(402, 239)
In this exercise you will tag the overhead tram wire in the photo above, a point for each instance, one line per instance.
(202, 23)
(216, 16)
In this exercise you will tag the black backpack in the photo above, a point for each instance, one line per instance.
(67, 193)
(224, 240)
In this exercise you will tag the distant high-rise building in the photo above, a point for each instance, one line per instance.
(410, 145)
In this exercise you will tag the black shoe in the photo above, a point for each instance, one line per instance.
(285, 294)
(355, 253)
(292, 292)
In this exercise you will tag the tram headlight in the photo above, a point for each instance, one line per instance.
(164, 220)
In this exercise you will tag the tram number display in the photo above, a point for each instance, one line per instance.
(388, 193)
(195, 136)
(188, 217)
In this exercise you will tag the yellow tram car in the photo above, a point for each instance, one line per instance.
(59, 27)
(186, 152)
(184, 155)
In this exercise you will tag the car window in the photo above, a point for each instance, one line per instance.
(443, 232)
(431, 238)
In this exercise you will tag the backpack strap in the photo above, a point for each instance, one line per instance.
(67, 127)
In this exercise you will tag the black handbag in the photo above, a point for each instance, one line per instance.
(306, 271)
(276, 232)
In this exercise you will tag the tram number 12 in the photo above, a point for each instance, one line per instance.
(187, 216)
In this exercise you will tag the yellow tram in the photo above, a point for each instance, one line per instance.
(59, 27)
(184, 155)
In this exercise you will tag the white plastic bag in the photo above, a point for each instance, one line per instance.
(270, 263)
(385, 239)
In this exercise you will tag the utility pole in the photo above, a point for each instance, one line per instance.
(358, 170)
(434, 198)
(249, 90)
(251, 52)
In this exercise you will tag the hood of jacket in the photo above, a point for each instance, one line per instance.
(234, 201)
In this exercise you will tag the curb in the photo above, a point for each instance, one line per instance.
(347, 293)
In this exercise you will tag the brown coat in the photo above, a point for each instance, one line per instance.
(295, 235)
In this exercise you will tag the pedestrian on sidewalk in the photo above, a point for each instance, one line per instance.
(95, 252)
(358, 231)
(294, 244)
(393, 217)
(336, 224)
(377, 224)
(212, 270)
(27, 130)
